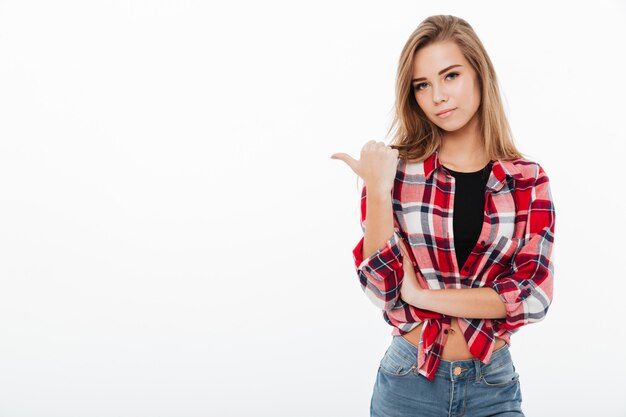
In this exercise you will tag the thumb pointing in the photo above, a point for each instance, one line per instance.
(352, 163)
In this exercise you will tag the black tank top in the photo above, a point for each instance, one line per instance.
(469, 209)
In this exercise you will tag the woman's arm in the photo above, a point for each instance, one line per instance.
(382, 272)
(527, 288)
(475, 303)
(463, 302)
(379, 220)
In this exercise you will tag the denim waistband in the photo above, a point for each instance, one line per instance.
(467, 368)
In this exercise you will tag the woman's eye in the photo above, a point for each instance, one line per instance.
(418, 87)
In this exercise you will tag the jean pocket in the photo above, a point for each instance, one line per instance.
(501, 376)
(395, 364)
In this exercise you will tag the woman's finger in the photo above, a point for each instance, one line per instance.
(352, 163)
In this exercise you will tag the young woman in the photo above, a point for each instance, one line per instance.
(457, 244)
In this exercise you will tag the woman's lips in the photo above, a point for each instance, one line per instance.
(446, 114)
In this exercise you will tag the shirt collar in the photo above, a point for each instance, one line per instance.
(500, 170)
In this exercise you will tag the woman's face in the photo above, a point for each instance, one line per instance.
(443, 79)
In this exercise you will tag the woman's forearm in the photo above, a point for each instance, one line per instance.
(475, 303)
(378, 220)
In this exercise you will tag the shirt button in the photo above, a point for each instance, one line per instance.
(446, 331)
(466, 268)
(482, 242)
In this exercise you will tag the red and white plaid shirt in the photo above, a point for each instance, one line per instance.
(512, 255)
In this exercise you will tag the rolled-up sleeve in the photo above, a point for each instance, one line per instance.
(527, 288)
(381, 273)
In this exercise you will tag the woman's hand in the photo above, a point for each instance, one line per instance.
(410, 291)
(377, 166)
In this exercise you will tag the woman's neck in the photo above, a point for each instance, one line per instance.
(463, 154)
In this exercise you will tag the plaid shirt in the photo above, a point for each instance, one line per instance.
(512, 255)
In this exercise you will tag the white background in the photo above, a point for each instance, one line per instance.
(176, 241)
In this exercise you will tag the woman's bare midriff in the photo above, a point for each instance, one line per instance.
(455, 348)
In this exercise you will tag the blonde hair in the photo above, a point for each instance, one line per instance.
(416, 137)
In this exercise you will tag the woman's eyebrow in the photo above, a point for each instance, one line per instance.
(440, 72)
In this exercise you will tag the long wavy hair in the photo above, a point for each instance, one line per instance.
(416, 137)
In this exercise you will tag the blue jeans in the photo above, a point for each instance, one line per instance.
(465, 388)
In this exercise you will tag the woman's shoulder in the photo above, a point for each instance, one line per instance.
(411, 166)
(524, 166)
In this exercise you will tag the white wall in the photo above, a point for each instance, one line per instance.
(176, 241)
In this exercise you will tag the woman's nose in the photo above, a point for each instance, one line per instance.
(439, 95)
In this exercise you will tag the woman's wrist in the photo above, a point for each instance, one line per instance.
(378, 192)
